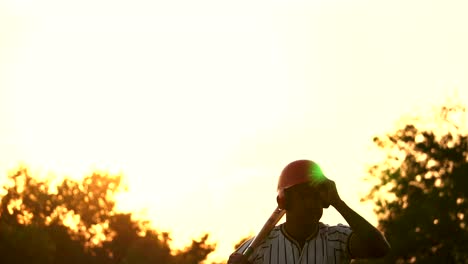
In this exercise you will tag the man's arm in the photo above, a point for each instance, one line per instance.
(366, 241)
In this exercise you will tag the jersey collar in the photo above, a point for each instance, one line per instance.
(289, 237)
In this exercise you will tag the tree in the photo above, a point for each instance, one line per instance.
(421, 192)
(75, 222)
(195, 253)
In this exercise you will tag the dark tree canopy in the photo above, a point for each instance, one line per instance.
(421, 194)
(75, 222)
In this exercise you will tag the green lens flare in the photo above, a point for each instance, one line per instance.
(315, 173)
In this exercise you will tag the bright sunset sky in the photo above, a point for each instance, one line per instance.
(200, 104)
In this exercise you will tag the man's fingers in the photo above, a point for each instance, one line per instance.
(237, 258)
(325, 190)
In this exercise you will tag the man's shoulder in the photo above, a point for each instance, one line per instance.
(274, 234)
(330, 229)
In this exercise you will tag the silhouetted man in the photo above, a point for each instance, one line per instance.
(303, 191)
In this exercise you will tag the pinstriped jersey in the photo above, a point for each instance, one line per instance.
(328, 245)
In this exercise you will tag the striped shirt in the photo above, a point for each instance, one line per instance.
(330, 245)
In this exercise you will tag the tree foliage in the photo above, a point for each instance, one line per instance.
(421, 194)
(75, 222)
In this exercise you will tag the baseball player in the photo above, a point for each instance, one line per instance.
(303, 191)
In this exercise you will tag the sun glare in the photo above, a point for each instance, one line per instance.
(200, 104)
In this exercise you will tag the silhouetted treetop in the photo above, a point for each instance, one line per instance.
(421, 194)
(76, 222)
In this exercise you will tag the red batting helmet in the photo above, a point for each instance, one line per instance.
(297, 172)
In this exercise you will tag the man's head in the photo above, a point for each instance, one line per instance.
(297, 187)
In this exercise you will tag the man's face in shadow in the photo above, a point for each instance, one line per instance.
(304, 200)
